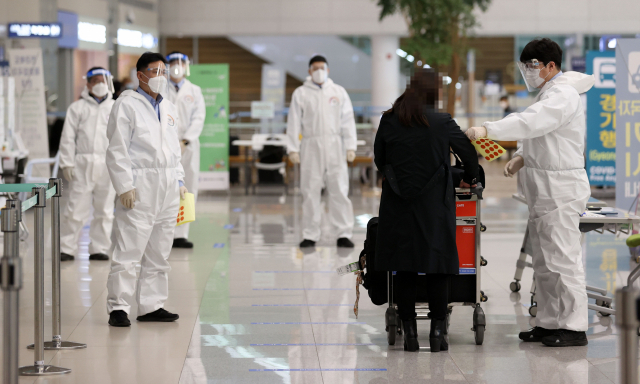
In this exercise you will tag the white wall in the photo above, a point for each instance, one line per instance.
(275, 17)
(360, 17)
(537, 17)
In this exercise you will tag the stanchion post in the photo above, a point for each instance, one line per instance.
(56, 310)
(11, 281)
(627, 323)
(39, 368)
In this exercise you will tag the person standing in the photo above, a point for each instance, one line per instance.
(191, 107)
(82, 159)
(556, 186)
(322, 115)
(417, 219)
(143, 159)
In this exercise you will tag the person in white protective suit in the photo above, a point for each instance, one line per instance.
(82, 158)
(191, 108)
(143, 159)
(556, 186)
(321, 113)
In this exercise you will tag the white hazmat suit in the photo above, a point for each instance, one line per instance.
(144, 154)
(556, 186)
(191, 109)
(83, 146)
(323, 116)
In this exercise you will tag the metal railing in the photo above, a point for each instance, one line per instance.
(627, 320)
(11, 279)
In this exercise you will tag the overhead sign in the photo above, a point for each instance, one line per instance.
(136, 39)
(601, 119)
(578, 64)
(262, 110)
(92, 33)
(39, 30)
(69, 36)
(628, 122)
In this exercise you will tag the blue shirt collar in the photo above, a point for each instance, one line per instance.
(98, 100)
(179, 84)
(556, 76)
(154, 102)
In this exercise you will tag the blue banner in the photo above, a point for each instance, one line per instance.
(601, 119)
(628, 121)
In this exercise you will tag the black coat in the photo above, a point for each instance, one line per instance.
(417, 232)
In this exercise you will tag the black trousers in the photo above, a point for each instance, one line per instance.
(405, 286)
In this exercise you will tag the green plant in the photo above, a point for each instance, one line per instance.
(438, 31)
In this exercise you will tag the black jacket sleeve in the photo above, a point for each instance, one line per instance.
(462, 147)
(379, 151)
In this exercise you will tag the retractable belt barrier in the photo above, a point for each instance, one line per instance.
(11, 279)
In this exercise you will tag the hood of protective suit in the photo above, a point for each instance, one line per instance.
(581, 82)
(309, 83)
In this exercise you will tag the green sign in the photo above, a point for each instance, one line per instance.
(214, 139)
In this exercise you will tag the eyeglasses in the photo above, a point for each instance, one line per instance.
(158, 71)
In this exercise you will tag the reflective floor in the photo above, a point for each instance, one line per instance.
(255, 309)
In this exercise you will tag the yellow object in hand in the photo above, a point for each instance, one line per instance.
(489, 149)
(187, 212)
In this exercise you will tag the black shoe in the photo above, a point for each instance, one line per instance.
(566, 338)
(66, 257)
(535, 334)
(437, 340)
(343, 242)
(98, 256)
(119, 318)
(160, 315)
(307, 243)
(410, 331)
(182, 243)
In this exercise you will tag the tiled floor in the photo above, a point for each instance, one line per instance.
(255, 309)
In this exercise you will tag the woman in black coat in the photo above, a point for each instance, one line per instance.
(417, 223)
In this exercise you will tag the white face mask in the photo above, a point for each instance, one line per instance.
(532, 77)
(100, 90)
(504, 104)
(319, 76)
(176, 71)
(157, 84)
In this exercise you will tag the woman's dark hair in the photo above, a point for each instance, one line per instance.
(148, 58)
(543, 50)
(421, 95)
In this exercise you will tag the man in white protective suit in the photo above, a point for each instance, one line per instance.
(143, 159)
(556, 186)
(322, 137)
(188, 98)
(82, 158)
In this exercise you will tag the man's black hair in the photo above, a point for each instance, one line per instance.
(148, 58)
(318, 59)
(544, 50)
(504, 98)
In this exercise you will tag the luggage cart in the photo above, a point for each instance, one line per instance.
(465, 288)
(621, 223)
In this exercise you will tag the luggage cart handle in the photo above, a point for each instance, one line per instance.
(476, 191)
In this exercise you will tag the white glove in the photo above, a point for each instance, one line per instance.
(351, 155)
(183, 191)
(128, 199)
(294, 157)
(513, 166)
(474, 133)
(68, 173)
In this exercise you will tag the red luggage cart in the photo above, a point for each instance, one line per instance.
(465, 288)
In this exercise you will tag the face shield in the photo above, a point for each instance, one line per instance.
(178, 65)
(530, 71)
(157, 78)
(99, 82)
(319, 72)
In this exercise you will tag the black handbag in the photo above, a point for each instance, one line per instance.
(375, 282)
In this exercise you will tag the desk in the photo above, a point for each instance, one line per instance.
(622, 222)
(250, 144)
